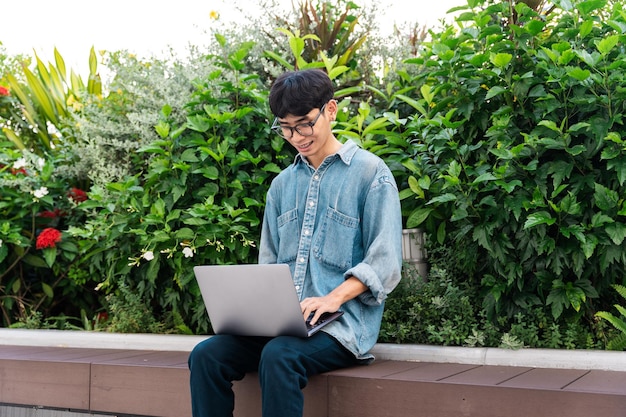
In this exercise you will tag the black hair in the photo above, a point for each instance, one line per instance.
(299, 92)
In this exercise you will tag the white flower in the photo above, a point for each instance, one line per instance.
(0, 243)
(188, 252)
(148, 255)
(43, 191)
(20, 163)
(41, 162)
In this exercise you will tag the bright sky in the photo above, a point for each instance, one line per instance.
(146, 28)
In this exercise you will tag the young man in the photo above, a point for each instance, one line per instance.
(334, 217)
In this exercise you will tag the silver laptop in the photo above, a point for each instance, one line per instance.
(254, 300)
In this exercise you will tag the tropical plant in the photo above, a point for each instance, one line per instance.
(327, 31)
(618, 342)
(46, 101)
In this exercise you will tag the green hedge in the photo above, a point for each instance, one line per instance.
(504, 131)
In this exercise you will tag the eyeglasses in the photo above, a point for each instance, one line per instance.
(304, 129)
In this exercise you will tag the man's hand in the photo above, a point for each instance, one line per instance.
(331, 302)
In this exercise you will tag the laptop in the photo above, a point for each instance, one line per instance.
(254, 300)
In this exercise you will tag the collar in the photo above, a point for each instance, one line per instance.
(346, 153)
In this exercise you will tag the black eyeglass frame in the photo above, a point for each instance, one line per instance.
(280, 129)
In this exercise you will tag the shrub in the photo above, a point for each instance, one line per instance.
(443, 310)
(518, 155)
(199, 201)
(110, 130)
(38, 262)
(436, 311)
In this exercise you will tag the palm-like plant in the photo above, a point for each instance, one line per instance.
(618, 342)
(47, 98)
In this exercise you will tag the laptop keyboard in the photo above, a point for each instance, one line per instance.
(319, 321)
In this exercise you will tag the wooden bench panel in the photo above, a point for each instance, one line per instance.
(607, 382)
(248, 397)
(445, 390)
(156, 383)
(44, 383)
(151, 383)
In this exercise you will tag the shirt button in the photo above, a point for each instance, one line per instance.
(316, 177)
(306, 232)
(301, 260)
(311, 203)
(298, 287)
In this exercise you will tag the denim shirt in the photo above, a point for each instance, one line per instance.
(329, 224)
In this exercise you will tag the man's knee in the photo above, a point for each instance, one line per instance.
(201, 352)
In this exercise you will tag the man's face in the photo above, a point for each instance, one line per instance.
(310, 134)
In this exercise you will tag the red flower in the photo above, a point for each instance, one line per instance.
(52, 214)
(77, 195)
(48, 238)
(18, 171)
(4, 91)
(14, 171)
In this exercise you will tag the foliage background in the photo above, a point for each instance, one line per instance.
(504, 130)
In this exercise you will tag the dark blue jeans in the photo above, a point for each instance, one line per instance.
(284, 364)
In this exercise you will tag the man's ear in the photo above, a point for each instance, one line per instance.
(332, 107)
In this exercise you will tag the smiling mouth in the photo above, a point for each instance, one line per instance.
(304, 145)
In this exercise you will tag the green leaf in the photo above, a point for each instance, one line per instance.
(579, 73)
(189, 155)
(196, 221)
(17, 284)
(413, 103)
(35, 261)
(616, 231)
(488, 176)
(586, 7)
(47, 289)
(501, 59)
(550, 125)
(575, 230)
(4, 250)
(459, 213)
(536, 219)
(509, 186)
(444, 198)
(282, 61)
(494, 91)
(619, 166)
(417, 217)
(185, 234)
(605, 198)
(158, 208)
(590, 59)
(162, 128)
(589, 246)
(271, 167)
(199, 123)
(585, 28)
(569, 205)
(607, 44)
(600, 219)
(427, 93)
(535, 27)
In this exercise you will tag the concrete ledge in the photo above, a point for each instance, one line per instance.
(535, 358)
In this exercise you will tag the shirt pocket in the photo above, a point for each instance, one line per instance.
(288, 235)
(336, 239)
